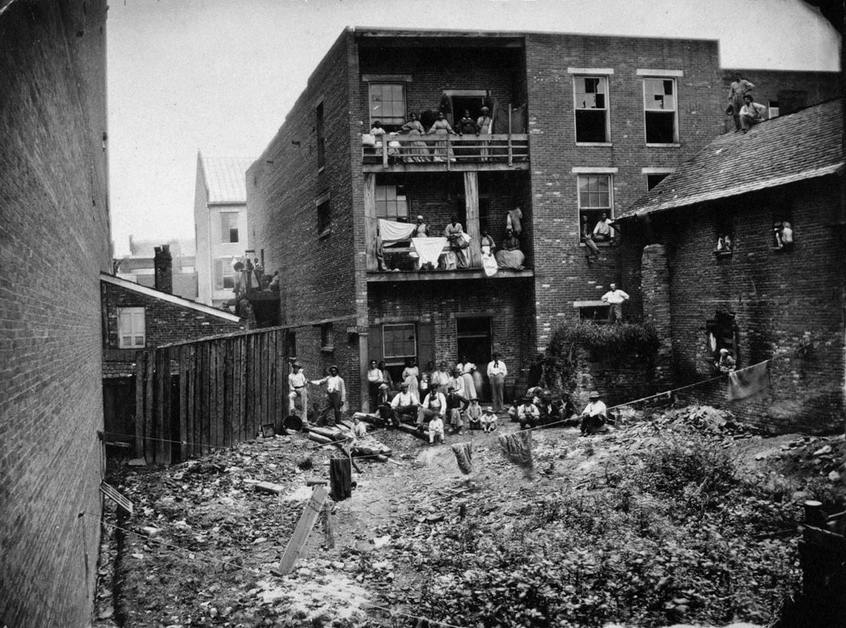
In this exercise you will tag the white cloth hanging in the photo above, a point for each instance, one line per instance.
(429, 249)
(393, 231)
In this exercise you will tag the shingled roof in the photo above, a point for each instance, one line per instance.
(225, 179)
(790, 148)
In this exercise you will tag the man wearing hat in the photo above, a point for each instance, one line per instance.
(594, 415)
(336, 392)
(489, 420)
(434, 405)
(383, 404)
(404, 403)
(528, 414)
(456, 405)
(725, 363)
(297, 390)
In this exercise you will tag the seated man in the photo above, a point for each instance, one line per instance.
(489, 420)
(434, 405)
(383, 405)
(603, 231)
(550, 411)
(456, 405)
(725, 363)
(594, 415)
(528, 414)
(474, 415)
(405, 403)
(751, 113)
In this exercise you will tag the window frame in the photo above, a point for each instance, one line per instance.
(597, 210)
(385, 355)
(133, 334)
(327, 338)
(606, 108)
(323, 208)
(397, 196)
(382, 119)
(675, 111)
(224, 239)
(223, 263)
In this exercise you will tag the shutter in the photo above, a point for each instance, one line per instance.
(374, 344)
(425, 344)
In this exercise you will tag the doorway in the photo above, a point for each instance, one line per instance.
(474, 343)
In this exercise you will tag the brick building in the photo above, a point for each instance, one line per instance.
(136, 317)
(139, 265)
(759, 296)
(220, 225)
(582, 125)
(54, 242)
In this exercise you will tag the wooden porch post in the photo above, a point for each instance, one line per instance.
(370, 221)
(471, 196)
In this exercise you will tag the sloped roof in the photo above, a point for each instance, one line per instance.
(225, 178)
(790, 148)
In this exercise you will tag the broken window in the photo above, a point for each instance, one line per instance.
(131, 327)
(387, 104)
(324, 216)
(659, 103)
(228, 227)
(391, 202)
(224, 274)
(591, 94)
(654, 179)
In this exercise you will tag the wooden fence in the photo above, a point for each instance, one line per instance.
(193, 397)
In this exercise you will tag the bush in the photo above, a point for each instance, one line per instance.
(604, 340)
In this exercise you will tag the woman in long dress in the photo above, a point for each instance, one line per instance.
(458, 243)
(410, 375)
(442, 128)
(510, 255)
(415, 150)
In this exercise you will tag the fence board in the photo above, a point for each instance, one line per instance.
(139, 404)
(182, 408)
(190, 370)
(150, 384)
(166, 404)
(205, 437)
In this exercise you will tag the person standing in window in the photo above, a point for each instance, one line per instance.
(615, 299)
(603, 231)
(336, 392)
(739, 87)
(497, 372)
(725, 363)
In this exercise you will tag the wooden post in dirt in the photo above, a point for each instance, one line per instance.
(303, 529)
(329, 526)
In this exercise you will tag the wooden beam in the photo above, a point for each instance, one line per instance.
(370, 220)
(474, 229)
(303, 529)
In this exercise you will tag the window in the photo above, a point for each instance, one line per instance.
(654, 179)
(595, 199)
(291, 343)
(321, 140)
(724, 228)
(324, 216)
(228, 227)
(224, 275)
(591, 106)
(659, 103)
(399, 341)
(391, 202)
(131, 327)
(722, 333)
(595, 313)
(387, 103)
(327, 337)
(772, 109)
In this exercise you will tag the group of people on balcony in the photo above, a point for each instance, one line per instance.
(430, 250)
(406, 147)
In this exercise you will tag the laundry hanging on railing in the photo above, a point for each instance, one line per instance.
(429, 249)
(393, 231)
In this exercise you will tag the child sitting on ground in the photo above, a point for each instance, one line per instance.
(474, 415)
(436, 430)
(488, 420)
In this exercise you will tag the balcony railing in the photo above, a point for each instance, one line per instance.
(448, 151)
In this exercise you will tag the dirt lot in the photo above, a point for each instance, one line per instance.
(682, 517)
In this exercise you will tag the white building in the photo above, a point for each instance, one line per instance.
(220, 224)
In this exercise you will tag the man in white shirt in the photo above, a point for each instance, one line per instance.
(436, 430)
(615, 298)
(336, 392)
(297, 390)
(594, 415)
(751, 113)
(441, 376)
(603, 231)
(528, 413)
(497, 371)
(404, 403)
(434, 405)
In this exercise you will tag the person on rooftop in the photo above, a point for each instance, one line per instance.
(751, 113)
(739, 88)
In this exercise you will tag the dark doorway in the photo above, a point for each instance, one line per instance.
(474, 344)
(460, 104)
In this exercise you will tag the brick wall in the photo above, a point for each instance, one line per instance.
(562, 274)
(791, 89)
(54, 242)
(788, 304)
(165, 322)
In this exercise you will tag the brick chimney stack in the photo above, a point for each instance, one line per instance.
(163, 264)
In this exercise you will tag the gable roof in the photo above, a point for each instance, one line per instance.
(170, 298)
(802, 145)
(225, 179)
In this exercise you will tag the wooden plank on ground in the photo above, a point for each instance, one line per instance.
(303, 529)
(139, 405)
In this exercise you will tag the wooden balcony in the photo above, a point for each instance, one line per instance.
(445, 153)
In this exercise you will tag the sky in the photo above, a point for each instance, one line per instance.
(219, 76)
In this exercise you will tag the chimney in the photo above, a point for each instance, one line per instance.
(163, 264)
